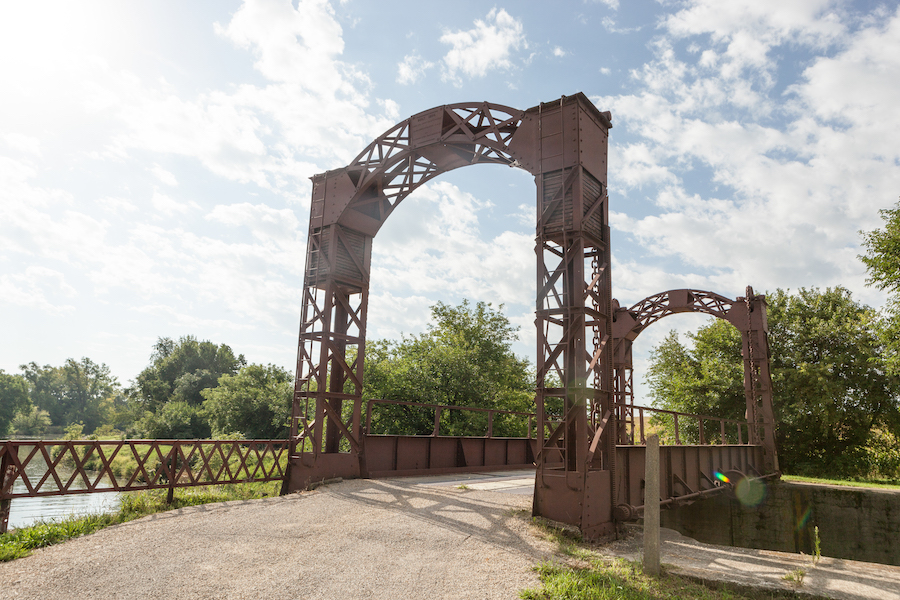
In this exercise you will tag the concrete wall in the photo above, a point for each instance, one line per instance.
(854, 523)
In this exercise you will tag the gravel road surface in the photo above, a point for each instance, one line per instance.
(392, 539)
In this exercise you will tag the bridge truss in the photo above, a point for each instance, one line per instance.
(584, 405)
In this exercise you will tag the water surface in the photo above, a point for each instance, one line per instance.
(26, 511)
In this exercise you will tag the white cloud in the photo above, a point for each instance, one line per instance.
(559, 52)
(610, 25)
(314, 106)
(279, 226)
(744, 32)
(170, 206)
(164, 176)
(484, 48)
(613, 4)
(115, 205)
(800, 173)
(434, 243)
(32, 287)
(412, 68)
(23, 143)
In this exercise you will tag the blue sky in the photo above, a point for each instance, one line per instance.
(155, 157)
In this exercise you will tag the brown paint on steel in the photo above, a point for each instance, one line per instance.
(161, 464)
(585, 416)
(747, 314)
(584, 397)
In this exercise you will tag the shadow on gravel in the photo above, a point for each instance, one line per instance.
(470, 512)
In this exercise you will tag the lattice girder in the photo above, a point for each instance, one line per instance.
(747, 314)
(562, 143)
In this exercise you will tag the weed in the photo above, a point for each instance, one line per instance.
(608, 579)
(596, 577)
(817, 556)
(795, 576)
(463, 487)
(568, 540)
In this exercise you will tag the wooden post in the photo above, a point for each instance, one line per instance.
(651, 507)
(7, 476)
(173, 473)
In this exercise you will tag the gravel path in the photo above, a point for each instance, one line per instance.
(392, 539)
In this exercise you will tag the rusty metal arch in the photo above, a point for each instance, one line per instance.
(653, 308)
(747, 314)
(415, 151)
(563, 143)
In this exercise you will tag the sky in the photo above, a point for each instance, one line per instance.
(155, 157)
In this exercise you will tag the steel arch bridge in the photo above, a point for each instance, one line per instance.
(587, 465)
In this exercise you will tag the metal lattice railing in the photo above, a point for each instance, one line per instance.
(56, 468)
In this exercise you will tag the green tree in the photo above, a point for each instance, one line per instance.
(31, 422)
(79, 390)
(705, 380)
(13, 399)
(464, 359)
(882, 260)
(175, 420)
(255, 403)
(830, 383)
(178, 372)
(830, 379)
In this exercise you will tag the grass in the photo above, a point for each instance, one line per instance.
(891, 484)
(21, 542)
(796, 576)
(608, 579)
(592, 576)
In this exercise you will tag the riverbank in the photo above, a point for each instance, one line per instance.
(23, 541)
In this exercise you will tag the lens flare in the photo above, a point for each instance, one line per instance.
(721, 477)
(804, 519)
(750, 492)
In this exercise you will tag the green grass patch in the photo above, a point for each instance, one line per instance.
(892, 484)
(592, 576)
(617, 579)
(21, 542)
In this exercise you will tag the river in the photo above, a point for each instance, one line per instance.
(26, 511)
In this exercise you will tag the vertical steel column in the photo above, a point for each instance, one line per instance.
(331, 350)
(758, 379)
(574, 482)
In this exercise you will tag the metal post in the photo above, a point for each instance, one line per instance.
(651, 507)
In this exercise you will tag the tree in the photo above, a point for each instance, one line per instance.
(175, 420)
(706, 380)
(77, 391)
(180, 371)
(255, 403)
(13, 399)
(168, 391)
(830, 383)
(882, 260)
(464, 359)
(31, 422)
(830, 379)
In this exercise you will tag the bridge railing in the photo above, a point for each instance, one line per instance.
(30, 469)
(722, 431)
(448, 420)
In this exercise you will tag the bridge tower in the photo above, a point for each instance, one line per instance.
(575, 478)
(562, 143)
